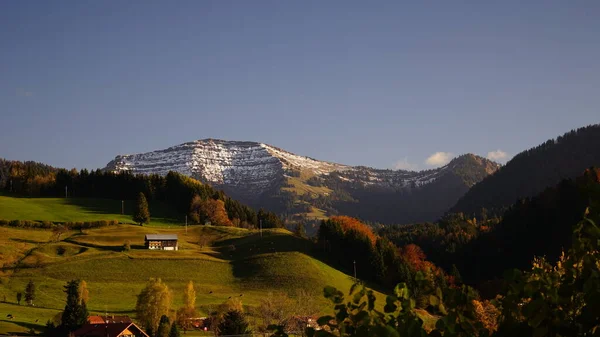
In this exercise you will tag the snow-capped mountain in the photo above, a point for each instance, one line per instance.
(257, 172)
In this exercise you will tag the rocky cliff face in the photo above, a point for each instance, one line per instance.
(258, 172)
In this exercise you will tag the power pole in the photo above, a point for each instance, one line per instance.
(186, 225)
(354, 270)
(260, 227)
(122, 206)
(66, 194)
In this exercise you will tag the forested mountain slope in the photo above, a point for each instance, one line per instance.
(532, 171)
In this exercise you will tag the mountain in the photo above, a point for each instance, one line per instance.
(532, 171)
(266, 176)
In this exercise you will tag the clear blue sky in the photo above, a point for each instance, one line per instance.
(376, 83)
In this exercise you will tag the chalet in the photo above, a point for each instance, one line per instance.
(109, 319)
(161, 241)
(110, 330)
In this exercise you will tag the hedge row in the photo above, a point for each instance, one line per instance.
(52, 224)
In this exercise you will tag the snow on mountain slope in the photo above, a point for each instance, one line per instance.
(251, 168)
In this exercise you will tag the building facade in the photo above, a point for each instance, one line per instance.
(161, 241)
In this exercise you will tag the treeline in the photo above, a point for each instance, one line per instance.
(174, 189)
(550, 299)
(78, 225)
(538, 226)
(482, 248)
(441, 240)
(533, 170)
(349, 244)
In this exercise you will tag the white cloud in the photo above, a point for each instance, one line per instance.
(403, 164)
(439, 158)
(497, 155)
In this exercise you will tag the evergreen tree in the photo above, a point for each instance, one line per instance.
(300, 230)
(30, 292)
(141, 214)
(174, 331)
(75, 314)
(234, 323)
(456, 274)
(163, 327)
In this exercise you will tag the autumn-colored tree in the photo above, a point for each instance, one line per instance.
(188, 310)
(487, 314)
(84, 293)
(351, 224)
(153, 302)
(211, 210)
(414, 256)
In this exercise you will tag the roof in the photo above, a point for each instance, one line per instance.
(160, 237)
(105, 330)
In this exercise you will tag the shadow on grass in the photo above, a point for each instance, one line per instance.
(242, 253)
(91, 245)
(27, 241)
(25, 325)
(112, 207)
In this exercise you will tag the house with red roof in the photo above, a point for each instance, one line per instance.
(110, 330)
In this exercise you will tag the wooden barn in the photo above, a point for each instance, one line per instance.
(161, 241)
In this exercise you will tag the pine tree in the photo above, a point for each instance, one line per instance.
(30, 292)
(164, 327)
(300, 230)
(141, 214)
(234, 323)
(174, 331)
(75, 314)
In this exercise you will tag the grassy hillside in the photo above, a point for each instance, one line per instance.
(80, 209)
(222, 262)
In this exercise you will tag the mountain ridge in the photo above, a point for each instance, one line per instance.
(268, 176)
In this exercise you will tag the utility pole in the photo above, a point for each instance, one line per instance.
(122, 206)
(355, 270)
(260, 227)
(66, 193)
(186, 225)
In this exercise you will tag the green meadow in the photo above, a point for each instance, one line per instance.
(222, 262)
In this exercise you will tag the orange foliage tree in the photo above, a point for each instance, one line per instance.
(352, 224)
(209, 210)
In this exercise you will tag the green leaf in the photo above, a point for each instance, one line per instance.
(434, 301)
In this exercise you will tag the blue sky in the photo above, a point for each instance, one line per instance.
(377, 83)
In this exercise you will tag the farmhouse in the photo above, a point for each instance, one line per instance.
(110, 330)
(161, 241)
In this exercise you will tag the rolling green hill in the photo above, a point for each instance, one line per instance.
(80, 209)
(223, 262)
